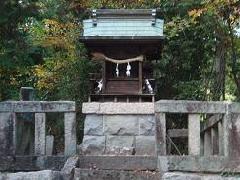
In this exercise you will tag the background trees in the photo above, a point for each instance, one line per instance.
(39, 47)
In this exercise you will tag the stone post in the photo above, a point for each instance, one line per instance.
(161, 133)
(40, 133)
(49, 145)
(207, 143)
(214, 136)
(220, 139)
(226, 124)
(201, 145)
(27, 94)
(25, 125)
(7, 135)
(194, 134)
(70, 133)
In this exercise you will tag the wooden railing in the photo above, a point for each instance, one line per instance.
(8, 120)
(209, 126)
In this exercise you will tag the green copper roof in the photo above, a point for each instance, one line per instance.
(123, 23)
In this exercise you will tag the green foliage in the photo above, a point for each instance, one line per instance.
(39, 47)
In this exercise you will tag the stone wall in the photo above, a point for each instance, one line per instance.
(128, 129)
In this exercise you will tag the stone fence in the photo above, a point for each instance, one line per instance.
(213, 127)
(8, 123)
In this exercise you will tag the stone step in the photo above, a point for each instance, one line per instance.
(118, 162)
(93, 174)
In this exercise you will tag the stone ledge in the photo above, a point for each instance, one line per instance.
(38, 175)
(94, 174)
(37, 106)
(118, 162)
(118, 108)
(184, 106)
(31, 163)
(197, 176)
(198, 164)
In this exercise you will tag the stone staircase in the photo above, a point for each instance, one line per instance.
(106, 167)
(111, 168)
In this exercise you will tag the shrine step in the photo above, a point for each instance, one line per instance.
(118, 163)
(93, 174)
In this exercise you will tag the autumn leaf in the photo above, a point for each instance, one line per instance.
(196, 13)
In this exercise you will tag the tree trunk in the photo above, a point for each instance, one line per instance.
(219, 71)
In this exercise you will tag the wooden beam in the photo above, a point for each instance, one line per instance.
(176, 133)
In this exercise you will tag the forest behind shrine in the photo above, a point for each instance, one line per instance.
(40, 48)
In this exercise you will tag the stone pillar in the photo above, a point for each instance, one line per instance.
(7, 136)
(207, 143)
(27, 94)
(234, 136)
(226, 124)
(220, 139)
(49, 145)
(40, 133)
(161, 133)
(214, 137)
(70, 133)
(201, 145)
(25, 125)
(194, 134)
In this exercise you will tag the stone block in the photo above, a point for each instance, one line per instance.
(147, 125)
(121, 125)
(93, 125)
(117, 108)
(126, 108)
(119, 144)
(145, 145)
(94, 145)
(90, 108)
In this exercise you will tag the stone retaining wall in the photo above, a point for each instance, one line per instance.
(129, 128)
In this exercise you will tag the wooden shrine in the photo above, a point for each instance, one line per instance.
(126, 42)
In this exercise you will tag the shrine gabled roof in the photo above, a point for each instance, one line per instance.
(123, 24)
